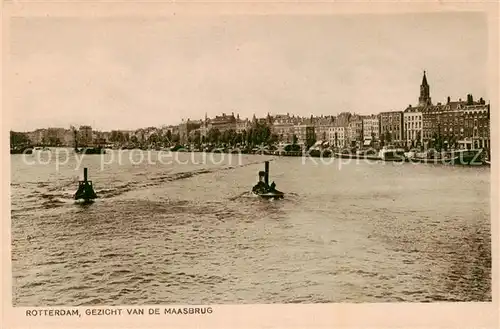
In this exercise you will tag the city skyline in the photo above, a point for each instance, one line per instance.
(165, 71)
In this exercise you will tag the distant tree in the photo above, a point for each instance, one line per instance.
(17, 138)
(244, 136)
(228, 136)
(273, 139)
(214, 135)
(197, 138)
(176, 138)
(113, 137)
(168, 136)
(249, 136)
(153, 138)
(54, 141)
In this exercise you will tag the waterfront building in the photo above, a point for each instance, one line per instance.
(305, 134)
(371, 129)
(222, 123)
(337, 136)
(185, 129)
(442, 124)
(457, 124)
(242, 124)
(413, 125)
(476, 128)
(342, 119)
(391, 127)
(68, 138)
(85, 135)
(355, 130)
(322, 127)
(265, 121)
(283, 125)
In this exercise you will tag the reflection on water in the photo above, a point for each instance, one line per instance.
(193, 234)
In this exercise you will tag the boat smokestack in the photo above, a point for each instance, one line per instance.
(267, 172)
(84, 174)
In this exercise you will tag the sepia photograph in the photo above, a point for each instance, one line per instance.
(250, 159)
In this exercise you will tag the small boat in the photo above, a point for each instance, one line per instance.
(85, 189)
(90, 150)
(390, 153)
(21, 150)
(40, 148)
(263, 189)
(472, 157)
(425, 157)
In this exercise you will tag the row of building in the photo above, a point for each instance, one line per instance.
(462, 123)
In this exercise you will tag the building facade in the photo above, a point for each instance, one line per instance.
(85, 135)
(185, 129)
(457, 124)
(322, 127)
(305, 134)
(476, 128)
(413, 126)
(391, 127)
(223, 122)
(337, 137)
(284, 127)
(242, 124)
(371, 128)
(355, 130)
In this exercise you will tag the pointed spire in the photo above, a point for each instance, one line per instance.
(424, 80)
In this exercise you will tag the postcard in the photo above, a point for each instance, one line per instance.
(250, 164)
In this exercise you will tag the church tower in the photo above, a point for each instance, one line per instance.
(425, 95)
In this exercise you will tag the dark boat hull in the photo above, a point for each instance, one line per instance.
(467, 158)
(91, 151)
(271, 195)
(25, 150)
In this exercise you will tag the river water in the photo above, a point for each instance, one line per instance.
(187, 231)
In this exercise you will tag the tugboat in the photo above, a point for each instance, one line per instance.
(263, 189)
(85, 189)
(21, 150)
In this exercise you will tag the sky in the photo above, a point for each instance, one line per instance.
(128, 73)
